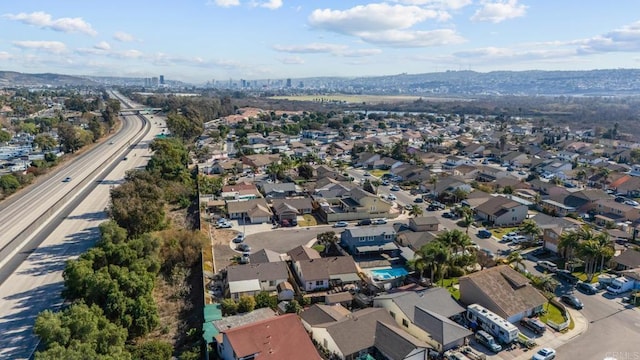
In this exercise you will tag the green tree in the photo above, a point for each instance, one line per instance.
(137, 206)
(415, 211)
(294, 307)
(4, 136)
(80, 332)
(228, 307)
(516, 258)
(567, 243)
(246, 304)
(210, 184)
(9, 183)
(152, 350)
(265, 300)
(467, 219)
(326, 238)
(530, 228)
(305, 171)
(45, 142)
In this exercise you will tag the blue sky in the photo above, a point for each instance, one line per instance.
(196, 41)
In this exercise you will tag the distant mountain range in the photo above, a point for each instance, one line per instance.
(607, 82)
(16, 79)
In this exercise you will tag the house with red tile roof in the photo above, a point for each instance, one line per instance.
(279, 338)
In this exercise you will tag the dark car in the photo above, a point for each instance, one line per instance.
(587, 288)
(448, 215)
(566, 275)
(534, 325)
(244, 247)
(484, 234)
(418, 200)
(572, 301)
(364, 222)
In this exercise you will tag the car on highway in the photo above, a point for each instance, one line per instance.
(110, 142)
(484, 234)
(572, 301)
(125, 158)
(340, 224)
(587, 288)
(239, 238)
(244, 247)
(67, 179)
(395, 188)
(544, 354)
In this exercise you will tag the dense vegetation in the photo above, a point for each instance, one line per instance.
(111, 286)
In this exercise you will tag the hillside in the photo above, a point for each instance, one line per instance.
(12, 78)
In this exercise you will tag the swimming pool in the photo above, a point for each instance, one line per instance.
(388, 273)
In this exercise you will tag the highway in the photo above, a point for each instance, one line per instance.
(32, 257)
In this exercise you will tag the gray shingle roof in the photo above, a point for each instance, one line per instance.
(441, 329)
(371, 230)
(261, 271)
(321, 314)
(394, 342)
(437, 300)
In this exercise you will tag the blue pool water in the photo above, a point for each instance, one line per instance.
(389, 273)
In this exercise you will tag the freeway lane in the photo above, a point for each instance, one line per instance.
(36, 283)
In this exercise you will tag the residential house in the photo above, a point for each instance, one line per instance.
(250, 279)
(279, 190)
(414, 240)
(260, 161)
(424, 223)
(516, 158)
(555, 169)
(264, 256)
(450, 184)
(453, 161)
(321, 274)
(370, 240)
(466, 172)
(351, 337)
(610, 211)
(502, 290)
(394, 343)
(278, 338)
(302, 253)
(357, 204)
(321, 314)
(473, 150)
(331, 190)
(501, 211)
(366, 160)
(427, 315)
(489, 174)
(627, 185)
(289, 209)
(240, 191)
(552, 228)
(254, 211)
(626, 260)
(556, 208)
(226, 167)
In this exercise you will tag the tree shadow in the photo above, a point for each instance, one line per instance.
(18, 340)
(53, 258)
(90, 216)
(110, 182)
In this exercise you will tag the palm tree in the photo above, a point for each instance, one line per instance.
(433, 180)
(467, 220)
(424, 258)
(415, 211)
(589, 251)
(605, 248)
(581, 174)
(517, 259)
(567, 243)
(604, 176)
(530, 228)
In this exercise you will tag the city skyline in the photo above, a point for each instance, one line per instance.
(197, 41)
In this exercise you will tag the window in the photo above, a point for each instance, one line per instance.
(272, 283)
(319, 283)
(405, 323)
(393, 315)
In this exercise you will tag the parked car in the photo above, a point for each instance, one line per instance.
(547, 265)
(380, 221)
(224, 225)
(385, 183)
(418, 200)
(509, 236)
(392, 197)
(487, 340)
(244, 247)
(519, 239)
(395, 188)
(489, 253)
(631, 202)
(534, 325)
(408, 207)
(364, 222)
(544, 354)
(366, 173)
(484, 234)
(587, 288)
(340, 224)
(239, 238)
(572, 301)
(448, 215)
(566, 275)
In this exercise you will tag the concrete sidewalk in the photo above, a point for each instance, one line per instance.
(580, 326)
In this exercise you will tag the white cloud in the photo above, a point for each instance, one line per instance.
(102, 45)
(293, 60)
(268, 4)
(45, 21)
(224, 3)
(130, 54)
(438, 4)
(498, 11)
(55, 47)
(360, 52)
(625, 39)
(313, 48)
(370, 17)
(408, 38)
(123, 36)
(5, 55)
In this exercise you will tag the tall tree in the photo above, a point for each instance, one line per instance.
(415, 211)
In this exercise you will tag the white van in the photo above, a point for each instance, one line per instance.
(547, 265)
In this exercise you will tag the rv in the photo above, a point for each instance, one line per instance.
(620, 285)
(481, 318)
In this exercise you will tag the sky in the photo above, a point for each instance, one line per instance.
(203, 40)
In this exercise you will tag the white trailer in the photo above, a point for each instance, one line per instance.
(481, 318)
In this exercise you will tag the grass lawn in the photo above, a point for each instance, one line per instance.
(378, 172)
(553, 313)
(309, 220)
(499, 232)
(448, 284)
(318, 247)
(583, 277)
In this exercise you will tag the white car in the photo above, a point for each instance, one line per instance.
(380, 221)
(224, 225)
(392, 197)
(544, 354)
(518, 239)
(340, 224)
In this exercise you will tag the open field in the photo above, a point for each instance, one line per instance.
(345, 98)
